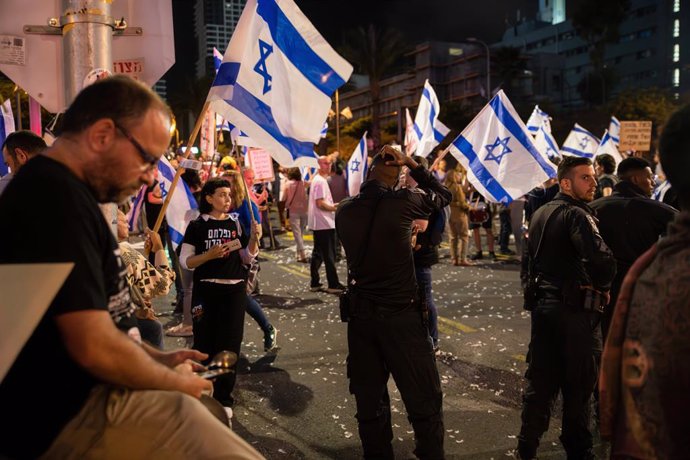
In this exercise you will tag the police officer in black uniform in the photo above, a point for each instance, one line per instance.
(630, 222)
(570, 273)
(387, 333)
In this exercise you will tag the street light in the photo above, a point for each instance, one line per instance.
(488, 65)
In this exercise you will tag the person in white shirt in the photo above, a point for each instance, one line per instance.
(322, 223)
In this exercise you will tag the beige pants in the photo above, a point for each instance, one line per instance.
(458, 225)
(116, 423)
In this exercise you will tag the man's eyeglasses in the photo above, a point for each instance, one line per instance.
(150, 160)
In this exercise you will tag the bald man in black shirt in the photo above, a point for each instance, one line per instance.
(387, 333)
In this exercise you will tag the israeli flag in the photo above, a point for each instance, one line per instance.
(217, 59)
(6, 128)
(411, 139)
(538, 119)
(615, 130)
(580, 143)
(499, 154)
(428, 129)
(357, 167)
(324, 130)
(308, 172)
(276, 80)
(182, 201)
(545, 143)
(607, 145)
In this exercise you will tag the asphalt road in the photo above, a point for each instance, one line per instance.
(295, 403)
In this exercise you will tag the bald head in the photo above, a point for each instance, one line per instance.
(380, 171)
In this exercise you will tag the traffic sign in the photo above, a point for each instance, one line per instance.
(146, 56)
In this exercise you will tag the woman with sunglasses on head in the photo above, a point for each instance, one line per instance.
(217, 248)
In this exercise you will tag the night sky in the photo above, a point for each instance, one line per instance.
(419, 20)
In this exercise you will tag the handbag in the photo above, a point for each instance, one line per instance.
(252, 276)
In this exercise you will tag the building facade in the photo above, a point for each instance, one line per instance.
(215, 22)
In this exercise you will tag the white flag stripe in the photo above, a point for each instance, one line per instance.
(580, 142)
(182, 202)
(512, 164)
(411, 139)
(357, 167)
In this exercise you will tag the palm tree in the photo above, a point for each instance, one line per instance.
(374, 52)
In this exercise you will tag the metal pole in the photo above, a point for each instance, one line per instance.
(337, 121)
(488, 65)
(87, 31)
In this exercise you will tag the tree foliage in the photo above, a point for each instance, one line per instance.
(652, 104)
(374, 52)
(596, 86)
(509, 64)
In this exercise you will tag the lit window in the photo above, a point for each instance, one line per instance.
(676, 27)
(676, 78)
(676, 52)
(676, 6)
(455, 51)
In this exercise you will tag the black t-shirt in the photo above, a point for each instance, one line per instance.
(386, 272)
(204, 233)
(49, 216)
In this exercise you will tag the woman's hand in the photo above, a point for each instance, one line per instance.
(153, 241)
(217, 252)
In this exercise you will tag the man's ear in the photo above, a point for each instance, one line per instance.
(101, 134)
(21, 155)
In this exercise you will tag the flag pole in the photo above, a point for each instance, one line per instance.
(238, 155)
(178, 173)
(440, 157)
(337, 121)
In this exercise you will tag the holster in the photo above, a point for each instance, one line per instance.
(346, 302)
(584, 297)
(531, 293)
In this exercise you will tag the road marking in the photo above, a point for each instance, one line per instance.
(306, 237)
(522, 358)
(294, 272)
(456, 325)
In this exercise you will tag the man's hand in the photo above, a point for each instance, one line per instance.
(256, 231)
(192, 384)
(185, 355)
(397, 158)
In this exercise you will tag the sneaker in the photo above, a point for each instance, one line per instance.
(477, 256)
(317, 288)
(181, 330)
(335, 290)
(228, 411)
(506, 252)
(270, 341)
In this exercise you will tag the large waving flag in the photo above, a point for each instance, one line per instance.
(411, 139)
(6, 127)
(580, 143)
(499, 155)
(428, 129)
(357, 167)
(545, 143)
(538, 119)
(276, 80)
(607, 145)
(181, 203)
(615, 130)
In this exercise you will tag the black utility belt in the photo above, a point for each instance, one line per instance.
(571, 294)
(353, 304)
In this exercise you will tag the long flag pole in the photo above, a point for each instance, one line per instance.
(178, 173)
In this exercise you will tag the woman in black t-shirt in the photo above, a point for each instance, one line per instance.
(218, 249)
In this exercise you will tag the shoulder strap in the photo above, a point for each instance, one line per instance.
(543, 232)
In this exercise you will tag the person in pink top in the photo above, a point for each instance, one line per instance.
(297, 206)
(322, 222)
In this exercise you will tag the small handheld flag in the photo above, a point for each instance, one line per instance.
(580, 143)
(428, 129)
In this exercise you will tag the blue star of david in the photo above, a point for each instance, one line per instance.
(583, 142)
(355, 166)
(490, 149)
(265, 50)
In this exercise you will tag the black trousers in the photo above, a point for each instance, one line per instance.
(324, 251)
(564, 353)
(218, 324)
(397, 344)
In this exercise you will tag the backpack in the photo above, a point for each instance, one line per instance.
(437, 225)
